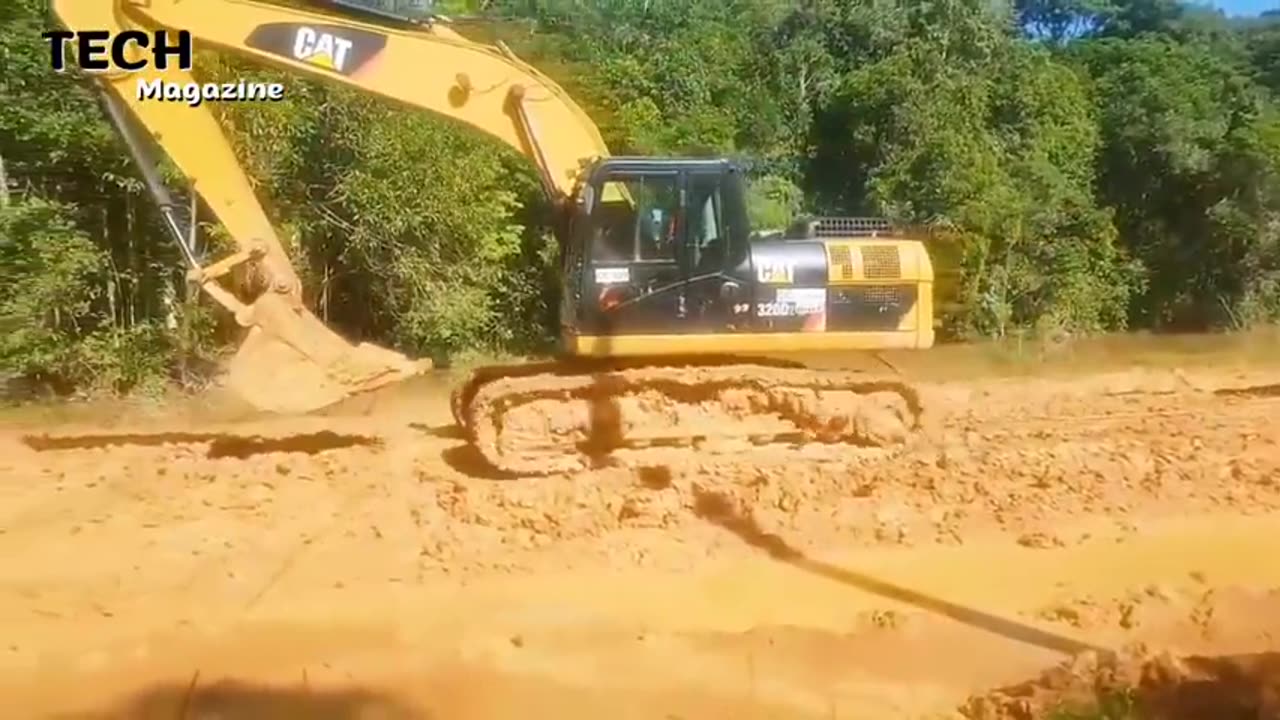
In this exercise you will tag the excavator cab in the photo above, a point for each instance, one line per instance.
(656, 247)
(661, 259)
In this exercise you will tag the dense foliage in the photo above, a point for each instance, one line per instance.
(1084, 165)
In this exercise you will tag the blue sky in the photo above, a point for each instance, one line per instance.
(1247, 7)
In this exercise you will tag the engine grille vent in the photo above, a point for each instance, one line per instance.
(881, 262)
(850, 227)
(842, 258)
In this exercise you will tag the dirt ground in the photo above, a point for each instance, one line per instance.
(361, 565)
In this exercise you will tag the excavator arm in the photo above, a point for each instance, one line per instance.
(290, 361)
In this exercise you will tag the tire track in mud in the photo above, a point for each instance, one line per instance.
(141, 451)
(291, 506)
(1002, 464)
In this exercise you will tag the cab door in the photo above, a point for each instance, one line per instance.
(719, 280)
(633, 280)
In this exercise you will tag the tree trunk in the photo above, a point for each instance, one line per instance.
(4, 185)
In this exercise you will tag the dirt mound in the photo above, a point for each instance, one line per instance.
(1142, 683)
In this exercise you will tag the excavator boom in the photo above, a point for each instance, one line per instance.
(492, 90)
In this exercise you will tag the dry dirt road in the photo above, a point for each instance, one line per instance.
(359, 566)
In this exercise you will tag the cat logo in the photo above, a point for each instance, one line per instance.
(775, 272)
(321, 49)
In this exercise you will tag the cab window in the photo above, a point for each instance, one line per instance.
(706, 219)
(636, 218)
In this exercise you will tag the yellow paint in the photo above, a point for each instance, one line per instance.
(566, 136)
(910, 338)
(321, 61)
(845, 264)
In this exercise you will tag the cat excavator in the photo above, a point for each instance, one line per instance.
(674, 310)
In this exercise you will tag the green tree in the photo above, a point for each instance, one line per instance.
(1189, 163)
(92, 292)
(960, 125)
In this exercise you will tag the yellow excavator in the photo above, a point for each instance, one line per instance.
(674, 310)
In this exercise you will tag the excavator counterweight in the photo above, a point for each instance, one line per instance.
(673, 309)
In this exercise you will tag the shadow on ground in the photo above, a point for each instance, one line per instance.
(1233, 687)
(469, 461)
(721, 511)
(221, 445)
(1094, 684)
(464, 457)
(1253, 391)
(231, 700)
(444, 432)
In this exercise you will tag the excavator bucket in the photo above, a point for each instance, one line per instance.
(290, 362)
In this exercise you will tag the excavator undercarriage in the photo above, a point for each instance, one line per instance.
(572, 415)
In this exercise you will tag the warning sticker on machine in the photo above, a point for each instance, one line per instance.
(612, 276)
(790, 302)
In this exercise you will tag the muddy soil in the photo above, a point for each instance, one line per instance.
(364, 564)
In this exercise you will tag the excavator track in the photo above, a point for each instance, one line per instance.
(544, 418)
